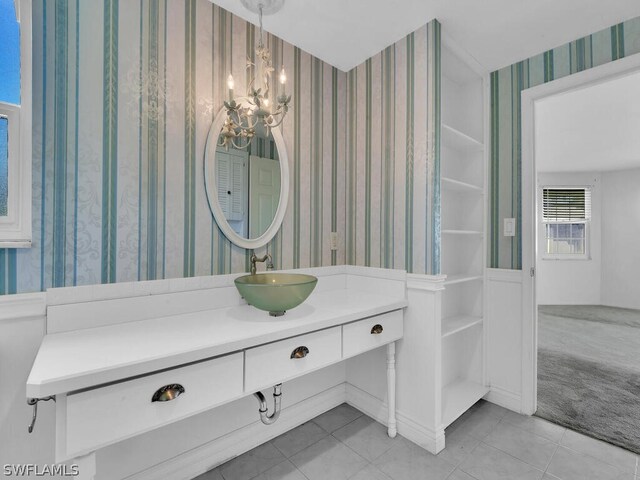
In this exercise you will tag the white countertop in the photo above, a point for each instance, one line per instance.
(85, 358)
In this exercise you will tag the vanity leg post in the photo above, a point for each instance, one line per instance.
(391, 388)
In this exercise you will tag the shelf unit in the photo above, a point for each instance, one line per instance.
(462, 232)
(454, 398)
(458, 186)
(458, 323)
(464, 177)
(460, 141)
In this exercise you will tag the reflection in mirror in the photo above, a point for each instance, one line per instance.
(248, 185)
(246, 181)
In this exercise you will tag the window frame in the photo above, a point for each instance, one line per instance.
(15, 228)
(542, 235)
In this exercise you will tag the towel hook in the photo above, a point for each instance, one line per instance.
(34, 403)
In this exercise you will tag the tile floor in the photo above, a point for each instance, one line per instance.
(486, 443)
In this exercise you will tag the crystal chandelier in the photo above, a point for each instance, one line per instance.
(255, 113)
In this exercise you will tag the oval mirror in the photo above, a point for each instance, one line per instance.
(247, 185)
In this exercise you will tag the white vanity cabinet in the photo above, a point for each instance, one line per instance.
(273, 363)
(93, 418)
(364, 335)
(105, 390)
(100, 416)
(270, 364)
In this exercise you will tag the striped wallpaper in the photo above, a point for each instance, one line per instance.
(602, 47)
(122, 105)
(393, 157)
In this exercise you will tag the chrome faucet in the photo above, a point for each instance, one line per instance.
(255, 260)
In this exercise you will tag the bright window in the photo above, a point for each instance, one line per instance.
(566, 218)
(9, 53)
(4, 164)
(15, 124)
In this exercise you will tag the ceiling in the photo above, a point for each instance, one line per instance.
(344, 33)
(590, 129)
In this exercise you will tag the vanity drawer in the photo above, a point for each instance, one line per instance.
(105, 415)
(370, 333)
(271, 364)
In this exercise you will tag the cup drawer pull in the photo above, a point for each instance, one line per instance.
(376, 329)
(168, 393)
(300, 352)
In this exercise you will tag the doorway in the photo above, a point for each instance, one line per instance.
(581, 166)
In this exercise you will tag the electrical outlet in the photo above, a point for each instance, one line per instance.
(334, 240)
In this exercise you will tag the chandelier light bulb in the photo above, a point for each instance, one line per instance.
(230, 85)
(283, 76)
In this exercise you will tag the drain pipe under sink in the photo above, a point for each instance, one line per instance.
(263, 410)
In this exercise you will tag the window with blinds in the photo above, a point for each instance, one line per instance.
(566, 213)
(566, 204)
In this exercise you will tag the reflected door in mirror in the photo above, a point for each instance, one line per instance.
(248, 185)
(232, 185)
(264, 193)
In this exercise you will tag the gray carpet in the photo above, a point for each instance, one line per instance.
(589, 371)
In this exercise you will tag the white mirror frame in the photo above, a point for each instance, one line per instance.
(212, 190)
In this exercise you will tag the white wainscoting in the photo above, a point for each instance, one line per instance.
(504, 337)
(22, 327)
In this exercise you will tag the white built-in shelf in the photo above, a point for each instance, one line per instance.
(457, 397)
(464, 191)
(465, 277)
(456, 68)
(458, 324)
(457, 140)
(458, 186)
(462, 232)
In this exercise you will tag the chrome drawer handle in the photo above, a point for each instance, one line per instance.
(168, 393)
(300, 352)
(377, 329)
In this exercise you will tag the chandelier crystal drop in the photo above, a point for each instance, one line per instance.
(255, 114)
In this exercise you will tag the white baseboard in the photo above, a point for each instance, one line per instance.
(205, 457)
(505, 398)
(367, 404)
(431, 440)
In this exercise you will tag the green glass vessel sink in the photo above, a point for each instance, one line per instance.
(276, 292)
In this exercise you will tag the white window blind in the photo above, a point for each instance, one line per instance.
(566, 205)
